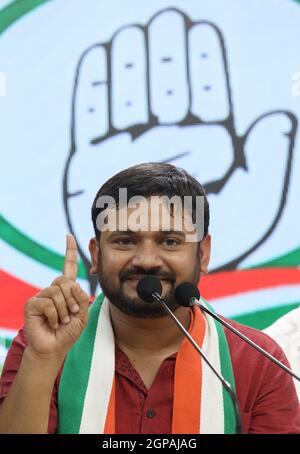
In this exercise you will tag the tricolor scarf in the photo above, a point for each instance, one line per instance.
(86, 396)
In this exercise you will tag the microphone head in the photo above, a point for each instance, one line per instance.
(147, 286)
(184, 292)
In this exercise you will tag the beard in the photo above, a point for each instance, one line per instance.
(135, 306)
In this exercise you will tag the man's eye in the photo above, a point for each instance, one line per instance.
(171, 242)
(124, 241)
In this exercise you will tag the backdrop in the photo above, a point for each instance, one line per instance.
(89, 87)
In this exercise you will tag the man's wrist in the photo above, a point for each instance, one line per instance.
(47, 360)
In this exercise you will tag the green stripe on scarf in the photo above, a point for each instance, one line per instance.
(72, 388)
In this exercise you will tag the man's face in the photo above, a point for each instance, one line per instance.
(122, 258)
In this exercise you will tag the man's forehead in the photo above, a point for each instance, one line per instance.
(151, 214)
(156, 215)
(154, 206)
(158, 232)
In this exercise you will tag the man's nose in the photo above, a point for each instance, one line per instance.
(147, 256)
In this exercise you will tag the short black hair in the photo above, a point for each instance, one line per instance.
(152, 178)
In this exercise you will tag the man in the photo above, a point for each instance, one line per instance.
(123, 366)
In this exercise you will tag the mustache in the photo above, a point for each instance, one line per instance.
(159, 274)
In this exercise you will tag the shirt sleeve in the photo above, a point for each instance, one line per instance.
(10, 369)
(266, 393)
(276, 408)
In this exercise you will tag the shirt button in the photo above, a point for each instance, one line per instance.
(150, 413)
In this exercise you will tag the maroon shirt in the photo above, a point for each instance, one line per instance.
(266, 394)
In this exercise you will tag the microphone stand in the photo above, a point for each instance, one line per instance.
(245, 338)
(226, 385)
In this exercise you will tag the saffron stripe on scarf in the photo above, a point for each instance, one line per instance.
(187, 381)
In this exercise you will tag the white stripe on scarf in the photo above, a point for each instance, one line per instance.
(101, 376)
(212, 405)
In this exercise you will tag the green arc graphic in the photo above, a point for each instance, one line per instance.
(290, 259)
(15, 10)
(261, 319)
(32, 249)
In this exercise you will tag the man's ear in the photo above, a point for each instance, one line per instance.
(204, 251)
(94, 252)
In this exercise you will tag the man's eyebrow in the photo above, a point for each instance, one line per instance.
(172, 232)
(123, 232)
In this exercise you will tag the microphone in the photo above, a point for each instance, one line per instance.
(188, 295)
(149, 289)
(147, 286)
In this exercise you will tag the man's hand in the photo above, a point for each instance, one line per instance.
(56, 317)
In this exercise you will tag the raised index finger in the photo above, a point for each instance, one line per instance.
(71, 261)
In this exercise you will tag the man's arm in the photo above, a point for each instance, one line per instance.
(266, 393)
(54, 319)
(26, 407)
(276, 408)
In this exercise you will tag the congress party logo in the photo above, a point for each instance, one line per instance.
(163, 91)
